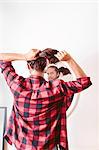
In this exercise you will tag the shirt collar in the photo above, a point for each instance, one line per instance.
(36, 77)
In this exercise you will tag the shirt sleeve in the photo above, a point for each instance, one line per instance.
(72, 87)
(14, 81)
(79, 85)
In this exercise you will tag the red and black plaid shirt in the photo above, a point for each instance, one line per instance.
(38, 117)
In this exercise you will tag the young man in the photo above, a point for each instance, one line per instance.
(38, 117)
(54, 73)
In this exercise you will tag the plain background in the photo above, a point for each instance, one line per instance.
(63, 25)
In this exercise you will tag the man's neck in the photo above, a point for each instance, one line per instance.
(36, 73)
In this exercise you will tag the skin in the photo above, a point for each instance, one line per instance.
(52, 74)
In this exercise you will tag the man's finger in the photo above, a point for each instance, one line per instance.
(36, 52)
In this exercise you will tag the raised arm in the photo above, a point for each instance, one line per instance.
(11, 56)
(64, 56)
(14, 81)
(16, 56)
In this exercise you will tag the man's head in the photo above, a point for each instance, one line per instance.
(52, 72)
(42, 58)
(38, 64)
(50, 53)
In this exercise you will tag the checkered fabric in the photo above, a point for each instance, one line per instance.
(38, 117)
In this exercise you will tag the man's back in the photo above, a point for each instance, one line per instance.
(38, 118)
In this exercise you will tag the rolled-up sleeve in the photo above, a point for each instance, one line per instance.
(12, 78)
(72, 87)
(79, 85)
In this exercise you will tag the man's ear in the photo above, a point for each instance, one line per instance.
(29, 67)
(58, 75)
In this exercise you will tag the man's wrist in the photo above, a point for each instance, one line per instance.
(70, 60)
(25, 57)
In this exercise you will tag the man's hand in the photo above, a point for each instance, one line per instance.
(63, 56)
(32, 54)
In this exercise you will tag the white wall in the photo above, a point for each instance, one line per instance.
(71, 26)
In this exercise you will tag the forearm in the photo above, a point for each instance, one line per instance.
(64, 56)
(76, 68)
(11, 56)
(16, 56)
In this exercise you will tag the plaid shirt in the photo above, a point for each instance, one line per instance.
(38, 117)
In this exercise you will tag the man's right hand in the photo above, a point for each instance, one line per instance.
(32, 54)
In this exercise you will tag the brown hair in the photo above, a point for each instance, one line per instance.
(64, 70)
(49, 53)
(38, 64)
